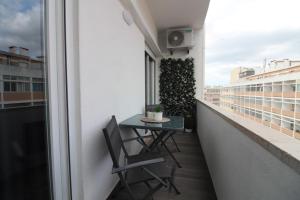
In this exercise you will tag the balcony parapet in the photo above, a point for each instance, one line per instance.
(287, 131)
(268, 94)
(267, 108)
(277, 94)
(282, 146)
(288, 113)
(289, 94)
(276, 110)
(297, 115)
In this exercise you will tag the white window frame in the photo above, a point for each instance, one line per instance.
(73, 83)
(57, 99)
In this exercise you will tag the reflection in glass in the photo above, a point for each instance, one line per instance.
(24, 169)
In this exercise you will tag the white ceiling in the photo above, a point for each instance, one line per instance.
(178, 13)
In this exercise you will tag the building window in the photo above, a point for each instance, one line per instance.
(150, 78)
(37, 84)
(16, 83)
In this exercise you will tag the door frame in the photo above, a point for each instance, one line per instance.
(54, 29)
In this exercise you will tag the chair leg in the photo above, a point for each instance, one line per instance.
(148, 185)
(123, 181)
(170, 153)
(171, 181)
(175, 188)
(152, 191)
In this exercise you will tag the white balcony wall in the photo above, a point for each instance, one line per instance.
(112, 77)
(144, 20)
(241, 168)
(143, 10)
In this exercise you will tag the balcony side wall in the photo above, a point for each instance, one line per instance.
(239, 167)
(112, 77)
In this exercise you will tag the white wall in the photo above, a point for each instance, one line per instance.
(112, 79)
(147, 17)
(197, 53)
(240, 168)
(144, 20)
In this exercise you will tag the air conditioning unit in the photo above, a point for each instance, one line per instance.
(180, 38)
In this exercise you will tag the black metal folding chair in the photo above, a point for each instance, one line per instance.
(144, 168)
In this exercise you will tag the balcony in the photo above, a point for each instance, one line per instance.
(38, 95)
(288, 94)
(287, 131)
(288, 113)
(233, 146)
(276, 94)
(259, 93)
(16, 96)
(267, 108)
(276, 110)
(297, 115)
(268, 94)
(267, 123)
(103, 61)
(275, 126)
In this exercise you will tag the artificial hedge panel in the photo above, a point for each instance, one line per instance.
(177, 86)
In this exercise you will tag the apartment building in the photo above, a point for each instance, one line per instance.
(212, 95)
(271, 98)
(284, 63)
(21, 79)
(239, 73)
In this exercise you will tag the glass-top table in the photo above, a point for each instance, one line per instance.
(176, 123)
(161, 132)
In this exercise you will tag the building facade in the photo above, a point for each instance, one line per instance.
(21, 79)
(284, 63)
(212, 95)
(239, 73)
(271, 98)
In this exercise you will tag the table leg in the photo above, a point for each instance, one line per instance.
(171, 154)
(142, 142)
(158, 140)
(173, 140)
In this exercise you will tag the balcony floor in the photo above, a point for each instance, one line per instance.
(193, 179)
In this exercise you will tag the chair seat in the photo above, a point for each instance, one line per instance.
(163, 170)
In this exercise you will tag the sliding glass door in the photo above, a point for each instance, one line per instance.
(25, 168)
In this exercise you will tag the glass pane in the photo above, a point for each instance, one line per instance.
(24, 168)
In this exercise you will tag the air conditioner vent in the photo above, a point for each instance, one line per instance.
(179, 38)
(176, 38)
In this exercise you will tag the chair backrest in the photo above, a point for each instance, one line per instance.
(114, 141)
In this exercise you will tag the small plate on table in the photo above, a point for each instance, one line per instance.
(150, 120)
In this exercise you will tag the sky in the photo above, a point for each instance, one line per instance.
(242, 33)
(20, 25)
